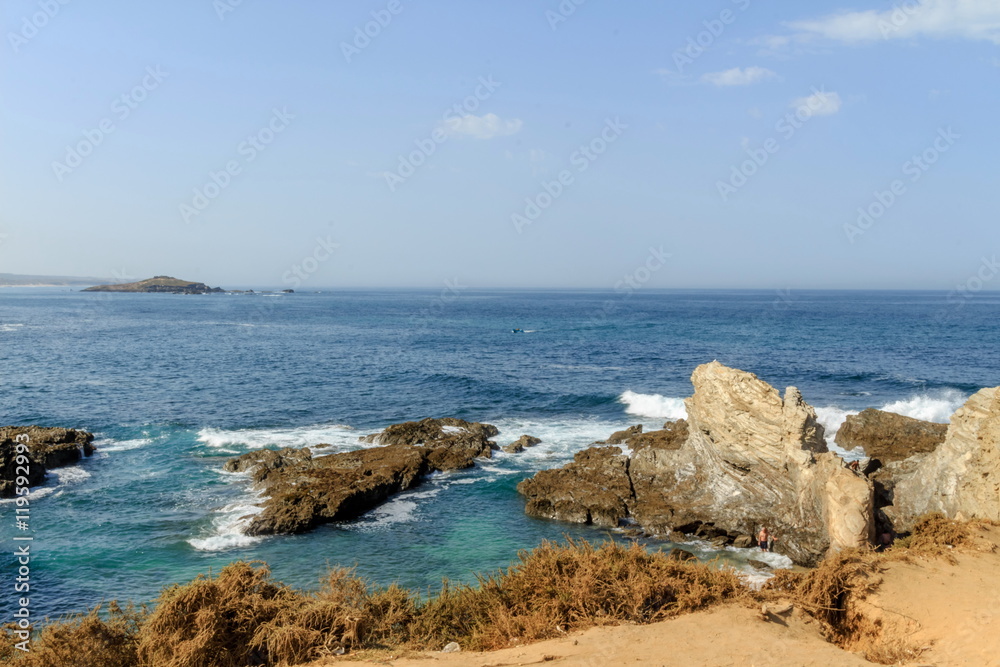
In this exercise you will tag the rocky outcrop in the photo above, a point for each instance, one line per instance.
(745, 457)
(594, 489)
(47, 448)
(671, 436)
(889, 437)
(303, 491)
(961, 478)
(521, 443)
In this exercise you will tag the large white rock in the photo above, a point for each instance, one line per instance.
(961, 478)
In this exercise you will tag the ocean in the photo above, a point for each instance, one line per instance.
(175, 385)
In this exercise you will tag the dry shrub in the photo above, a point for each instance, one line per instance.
(935, 535)
(84, 640)
(242, 618)
(557, 588)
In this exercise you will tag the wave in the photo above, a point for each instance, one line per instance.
(230, 522)
(7, 328)
(56, 482)
(336, 435)
(121, 445)
(932, 408)
(653, 405)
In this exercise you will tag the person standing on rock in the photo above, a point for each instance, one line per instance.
(771, 539)
(762, 538)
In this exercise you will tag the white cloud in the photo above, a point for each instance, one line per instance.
(739, 77)
(963, 19)
(482, 127)
(820, 103)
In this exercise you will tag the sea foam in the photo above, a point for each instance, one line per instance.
(337, 435)
(653, 406)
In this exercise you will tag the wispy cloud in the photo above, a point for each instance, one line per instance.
(739, 77)
(938, 19)
(487, 126)
(820, 103)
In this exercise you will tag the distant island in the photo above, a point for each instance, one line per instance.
(16, 280)
(162, 284)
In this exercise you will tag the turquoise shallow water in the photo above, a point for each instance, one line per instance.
(174, 385)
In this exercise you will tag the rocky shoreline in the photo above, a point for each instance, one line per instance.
(48, 448)
(746, 456)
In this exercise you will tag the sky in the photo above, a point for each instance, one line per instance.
(582, 143)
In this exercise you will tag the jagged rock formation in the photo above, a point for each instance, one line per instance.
(164, 284)
(305, 491)
(889, 437)
(745, 457)
(961, 478)
(47, 448)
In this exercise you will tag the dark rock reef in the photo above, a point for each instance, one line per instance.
(47, 448)
(889, 437)
(304, 491)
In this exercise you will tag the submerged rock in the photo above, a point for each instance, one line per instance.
(304, 491)
(521, 443)
(889, 437)
(47, 448)
(745, 457)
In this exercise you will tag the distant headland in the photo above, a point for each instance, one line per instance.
(17, 280)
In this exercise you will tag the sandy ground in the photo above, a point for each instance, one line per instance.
(951, 610)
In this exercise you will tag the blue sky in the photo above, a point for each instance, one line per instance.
(503, 144)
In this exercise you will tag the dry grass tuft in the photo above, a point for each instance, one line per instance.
(84, 640)
(934, 535)
(554, 589)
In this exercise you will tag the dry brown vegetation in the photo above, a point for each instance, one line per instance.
(241, 617)
(834, 592)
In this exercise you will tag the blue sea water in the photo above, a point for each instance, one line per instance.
(174, 385)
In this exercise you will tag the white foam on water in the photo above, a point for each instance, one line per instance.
(121, 445)
(403, 508)
(938, 407)
(70, 475)
(229, 525)
(654, 406)
(56, 481)
(337, 435)
(7, 328)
